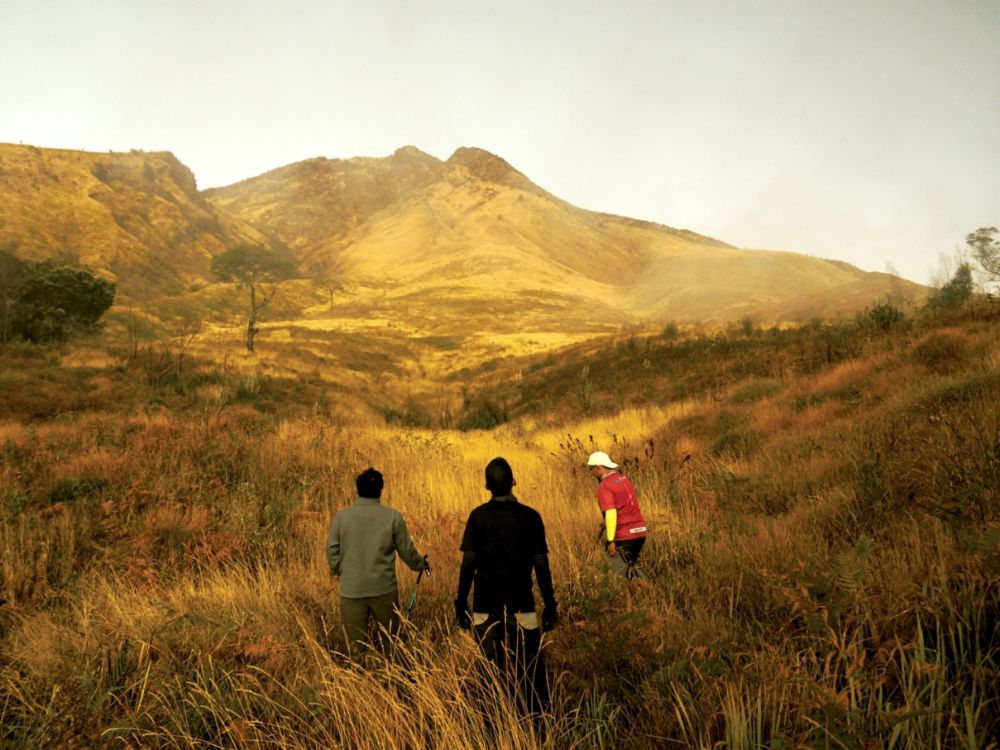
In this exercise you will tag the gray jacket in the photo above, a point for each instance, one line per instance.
(362, 545)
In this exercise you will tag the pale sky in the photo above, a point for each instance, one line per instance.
(862, 130)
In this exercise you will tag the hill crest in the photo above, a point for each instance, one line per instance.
(436, 239)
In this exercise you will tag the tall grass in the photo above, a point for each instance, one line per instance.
(823, 568)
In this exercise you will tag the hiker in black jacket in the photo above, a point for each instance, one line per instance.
(503, 542)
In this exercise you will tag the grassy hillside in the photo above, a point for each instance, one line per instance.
(137, 216)
(823, 568)
(475, 229)
(303, 204)
(468, 245)
(602, 375)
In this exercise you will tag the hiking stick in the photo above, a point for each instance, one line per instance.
(413, 595)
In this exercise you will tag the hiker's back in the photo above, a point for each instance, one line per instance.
(505, 536)
(368, 548)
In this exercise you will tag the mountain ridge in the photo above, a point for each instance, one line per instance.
(433, 239)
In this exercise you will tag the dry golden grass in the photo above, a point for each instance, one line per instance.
(828, 577)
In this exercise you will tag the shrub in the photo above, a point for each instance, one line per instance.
(541, 364)
(955, 292)
(739, 443)
(72, 490)
(57, 301)
(755, 390)
(485, 415)
(411, 415)
(12, 503)
(942, 353)
(885, 316)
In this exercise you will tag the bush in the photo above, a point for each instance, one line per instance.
(484, 416)
(885, 316)
(411, 415)
(954, 293)
(735, 443)
(755, 390)
(942, 353)
(51, 302)
(72, 490)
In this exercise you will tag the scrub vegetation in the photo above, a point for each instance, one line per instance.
(823, 568)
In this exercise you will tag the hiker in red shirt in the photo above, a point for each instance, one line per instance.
(624, 530)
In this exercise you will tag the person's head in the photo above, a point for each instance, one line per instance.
(600, 463)
(369, 484)
(499, 477)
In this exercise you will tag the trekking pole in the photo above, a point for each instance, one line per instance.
(413, 596)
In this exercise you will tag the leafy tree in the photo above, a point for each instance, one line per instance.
(13, 272)
(986, 250)
(329, 279)
(258, 270)
(955, 291)
(54, 301)
(670, 331)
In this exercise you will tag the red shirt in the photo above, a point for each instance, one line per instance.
(617, 492)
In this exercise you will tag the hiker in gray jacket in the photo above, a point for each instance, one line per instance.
(361, 549)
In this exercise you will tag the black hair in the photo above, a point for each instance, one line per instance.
(369, 483)
(499, 477)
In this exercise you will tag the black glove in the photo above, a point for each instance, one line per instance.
(549, 616)
(462, 615)
(427, 566)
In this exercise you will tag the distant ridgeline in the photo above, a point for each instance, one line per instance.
(469, 241)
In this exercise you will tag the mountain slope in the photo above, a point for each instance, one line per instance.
(138, 217)
(475, 228)
(469, 243)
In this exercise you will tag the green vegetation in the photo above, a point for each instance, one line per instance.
(955, 292)
(884, 316)
(986, 250)
(49, 301)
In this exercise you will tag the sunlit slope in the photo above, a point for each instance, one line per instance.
(305, 204)
(460, 235)
(136, 216)
(726, 284)
(468, 246)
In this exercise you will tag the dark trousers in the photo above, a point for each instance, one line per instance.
(516, 653)
(630, 549)
(356, 613)
(627, 556)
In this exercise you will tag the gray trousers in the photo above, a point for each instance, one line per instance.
(356, 613)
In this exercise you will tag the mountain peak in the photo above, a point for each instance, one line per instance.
(490, 167)
(412, 152)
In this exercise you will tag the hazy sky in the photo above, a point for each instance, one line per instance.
(863, 130)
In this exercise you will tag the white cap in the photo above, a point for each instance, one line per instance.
(600, 458)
